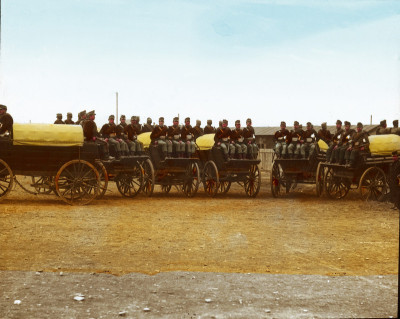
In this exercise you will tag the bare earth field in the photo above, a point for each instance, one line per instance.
(171, 256)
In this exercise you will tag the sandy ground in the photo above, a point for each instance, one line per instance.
(230, 256)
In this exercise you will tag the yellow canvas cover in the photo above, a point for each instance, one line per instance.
(384, 144)
(205, 142)
(323, 146)
(47, 135)
(145, 139)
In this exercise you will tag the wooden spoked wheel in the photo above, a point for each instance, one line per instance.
(210, 178)
(166, 188)
(373, 185)
(130, 183)
(252, 183)
(319, 179)
(103, 175)
(148, 177)
(6, 179)
(191, 180)
(224, 187)
(277, 180)
(43, 184)
(336, 187)
(77, 182)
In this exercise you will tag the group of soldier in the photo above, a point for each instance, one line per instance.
(344, 146)
(175, 140)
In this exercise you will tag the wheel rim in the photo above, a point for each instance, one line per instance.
(43, 185)
(130, 183)
(210, 179)
(192, 179)
(253, 181)
(77, 182)
(319, 182)
(166, 188)
(276, 180)
(224, 187)
(148, 177)
(6, 179)
(336, 187)
(373, 184)
(103, 176)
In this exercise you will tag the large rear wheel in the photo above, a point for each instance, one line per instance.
(210, 178)
(130, 183)
(253, 181)
(277, 180)
(103, 175)
(373, 184)
(6, 179)
(319, 179)
(148, 177)
(191, 179)
(335, 186)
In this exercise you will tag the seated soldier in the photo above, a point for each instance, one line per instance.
(124, 137)
(209, 129)
(281, 137)
(109, 132)
(395, 128)
(187, 135)
(59, 119)
(158, 137)
(335, 142)
(147, 127)
(294, 146)
(6, 122)
(344, 143)
(69, 120)
(138, 129)
(237, 145)
(131, 131)
(359, 142)
(221, 138)
(174, 135)
(382, 128)
(250, 140)
(324, 134)
(198, 131)
(308, 141)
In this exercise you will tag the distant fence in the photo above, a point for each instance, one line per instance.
(265, 156)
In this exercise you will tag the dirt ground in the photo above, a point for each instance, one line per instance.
(298, 235)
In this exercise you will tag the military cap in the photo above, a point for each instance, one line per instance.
(248, 120)
(149, 120)
(339, 122)
(69, 114)
(82, 112)
(3, 107)
(187, 119)
(347, 123)
(309, 124)
(133, 118)
(161, 119)
(296, 123)
(383, 123)
(395, 123)
(90, 113)
(225, 121)
(111, 117)
(323, 125)
(237, 122)
(59, 115)
(123, 117)
(198, 122)
(283, 123)
(359, 124)
(209, 122)
(176, 119)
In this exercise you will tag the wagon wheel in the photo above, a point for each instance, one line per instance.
(148, 177)
(336, 187)
(191, 180)
(43, 184)
(224, 187)
(277, 179)
(373, 184)
(319, 179)
(130, 183)
(253, 181)
(103, 175)
(394, 183)
(210, 178)
(6, 179)
(166, 188)
(77, 182)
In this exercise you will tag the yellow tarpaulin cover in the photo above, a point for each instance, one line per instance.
(205, 142)
(145, 139)
(384, 144)
(47, 134)
(323, 146)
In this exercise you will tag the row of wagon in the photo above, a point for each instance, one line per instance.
(57, 160)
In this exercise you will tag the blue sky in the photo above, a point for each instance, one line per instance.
(269, 60)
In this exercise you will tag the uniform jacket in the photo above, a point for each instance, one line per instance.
(237, 135)
(248, 133)
(90, 130)
(209, 129)
(325, 135)
(282, 136)
(295, 135)
(7, 123)
(131, 131)
(108, 130)
(395, 130)
(158, 132)
(147, 128)
(186, 132)
(197, 131)
(359, 139)
(221, 134)
(174, 130)
(59, 121)
(346, 136)
(310, 134)
(337, 136)
(382, 130)
(70, 122)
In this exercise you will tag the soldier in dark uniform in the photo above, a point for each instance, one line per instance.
(294, 140)
(395, 128)
(174, 136)
(83, 118)
(122, 121)
(69, 120)
(281, 137)
(308, 141)
(324, 134)
(221, 138)
(198, 131)
(138, 130)
(109, 133)
(382, 128)
(6, 122)
(359, 142)
(124, 137)
(131, 131)
(91, 134)
(237, 142)
(344, 143)
(250, 140)
(187, 135)
(158, 137)
(59, 119)
(330, 153)
(148, 127)
(209, 129)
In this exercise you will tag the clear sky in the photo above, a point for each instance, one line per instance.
(208, 59)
